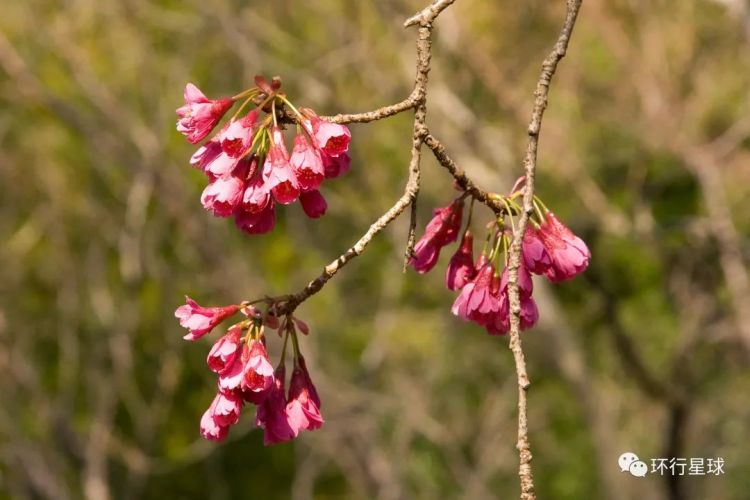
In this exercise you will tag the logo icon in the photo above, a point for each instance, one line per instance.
(629, 462)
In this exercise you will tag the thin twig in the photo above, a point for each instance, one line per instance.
(463, 181)
(549, 66)
(417, 100)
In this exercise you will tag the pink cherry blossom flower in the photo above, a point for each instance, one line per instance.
(479, 299)
(441, 230)
(331, 138)
(256, 197)
(313, 204)
(461, 266)
(201, 320)
(205, 156)
(224, 351)
(209, 428)
(335, 166)
(500, 324)
(200, 115)
(256, 223)
(237, 137)
(535, 255)
(272, 416)
(230, 378)
(307, 164)
(302, 409)
(223, 195)
(258, 372)
(227, 409)
(278, 173)
(569, 255)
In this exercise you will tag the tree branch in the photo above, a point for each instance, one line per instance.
(417, 100)
(549, 66)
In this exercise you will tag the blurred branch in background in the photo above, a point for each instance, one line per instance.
(646, 153)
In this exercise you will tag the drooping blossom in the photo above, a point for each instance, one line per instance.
(250, 373)
(201, 320)
(335, 166)
(272, 416)
(256, 223)
(200, 114)
(440, 231)
(237, 137)
(569, 255)
(223, 195)
(303, 407)
(227, 409)
(461, 266)
(313, 204)
(307, 164)
(256, 197)
(225, 350)
(206, 155)
(535, 255)
(258, 372)
(479, 299)
(529, 311)
(209, 428)
(278, 173)
(331, 138)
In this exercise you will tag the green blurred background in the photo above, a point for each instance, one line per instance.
(644, 152)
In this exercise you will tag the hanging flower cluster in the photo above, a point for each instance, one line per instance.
(247, 162)
(245, 373)
(549, 248)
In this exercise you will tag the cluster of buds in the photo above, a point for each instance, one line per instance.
(247, 163)
(549, 248)
(245, 373)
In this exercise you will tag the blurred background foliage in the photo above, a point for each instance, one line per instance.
(644, 152)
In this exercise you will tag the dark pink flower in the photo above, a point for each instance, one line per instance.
(335, 166)
(525, 283)
(205, 156)
(223, 195)
(227, 409)
(256, 223)
(500, 324)
(230, 378)
(200, 115)
(479, 300)
(258, 372)
(313, 204)
(209, 428)
(534, 253)
(201, 320)
(256, 197)
(250, 374)
(307, 164)
(569, 255)
(461, 266)
(237, 136)
(441, 230)
(331, 138)
(303, 410)
(278, 173)
(224, 351)
(272, 416)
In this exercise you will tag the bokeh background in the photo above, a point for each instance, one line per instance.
(644, 152)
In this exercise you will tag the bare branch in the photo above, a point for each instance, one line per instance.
(463, 181)
(428, 14)
(549, 66)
